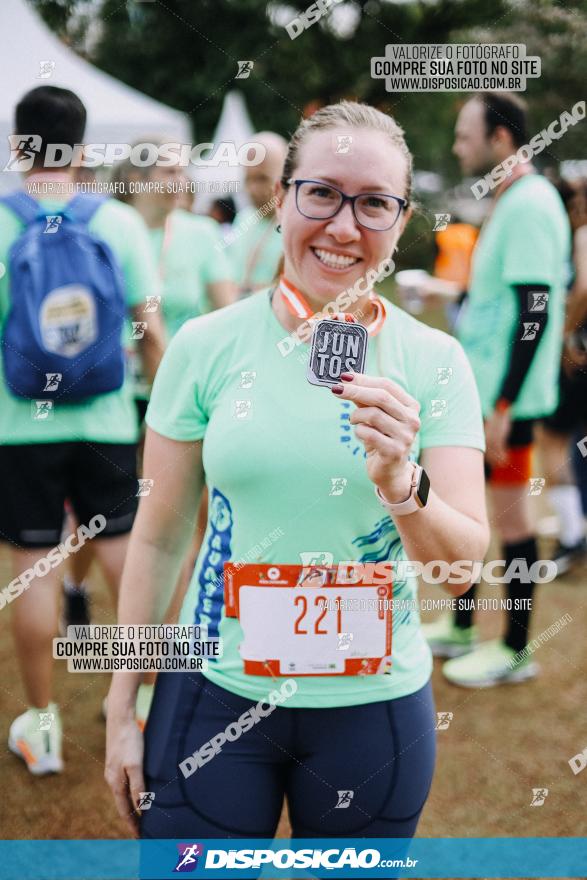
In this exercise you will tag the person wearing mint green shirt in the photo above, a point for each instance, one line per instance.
(194, 272)
(299, 472)
(254, 244)
(83, 451)
(511, 328)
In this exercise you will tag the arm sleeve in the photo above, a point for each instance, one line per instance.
(529, 330)
(450, 410)
(175, 408)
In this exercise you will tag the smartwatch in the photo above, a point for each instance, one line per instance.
(416, 500)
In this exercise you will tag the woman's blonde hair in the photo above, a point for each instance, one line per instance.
(349, 114)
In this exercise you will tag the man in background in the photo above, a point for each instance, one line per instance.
(512, 330)
(255, 246)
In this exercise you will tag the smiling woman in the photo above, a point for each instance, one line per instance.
(360, 720)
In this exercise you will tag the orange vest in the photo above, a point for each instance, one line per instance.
(455, 246)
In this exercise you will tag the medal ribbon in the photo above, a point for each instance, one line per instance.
(299, 307)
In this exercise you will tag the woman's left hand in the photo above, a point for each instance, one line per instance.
(386, 422)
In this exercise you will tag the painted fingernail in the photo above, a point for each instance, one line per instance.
(347, 377)
(337, 389)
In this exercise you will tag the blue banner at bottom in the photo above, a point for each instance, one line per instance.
(516, 857)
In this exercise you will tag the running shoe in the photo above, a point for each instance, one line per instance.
(75, 610)
(566, 557)
(36, 736)
(490, 664)
(446, 639)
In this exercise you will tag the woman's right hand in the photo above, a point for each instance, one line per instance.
(124, 766)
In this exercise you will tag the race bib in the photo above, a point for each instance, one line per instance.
(67, 320)
(309, 620)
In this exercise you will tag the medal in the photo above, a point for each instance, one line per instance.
(337, 347)
(339, 342)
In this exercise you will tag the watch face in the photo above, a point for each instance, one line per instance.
(423, 488)
(337, 347)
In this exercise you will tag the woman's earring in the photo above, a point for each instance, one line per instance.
(278, 227)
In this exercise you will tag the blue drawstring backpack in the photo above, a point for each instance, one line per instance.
(62, 336)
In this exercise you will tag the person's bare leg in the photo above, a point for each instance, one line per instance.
(80, 564)
(110, 554)
(563, 493)
(555, 458)
(510, 512)
(34, 624)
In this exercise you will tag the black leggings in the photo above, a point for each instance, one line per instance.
(382, 753)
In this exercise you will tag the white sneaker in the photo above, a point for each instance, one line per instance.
(36, 736)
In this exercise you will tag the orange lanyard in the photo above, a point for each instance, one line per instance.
(298, 306)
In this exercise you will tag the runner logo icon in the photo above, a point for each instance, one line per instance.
(189, 854)
(344, 799)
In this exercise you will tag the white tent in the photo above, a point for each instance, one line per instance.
(116, 112)
(234, 126)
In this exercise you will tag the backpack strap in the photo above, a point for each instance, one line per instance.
(82, 207)
(23, 205)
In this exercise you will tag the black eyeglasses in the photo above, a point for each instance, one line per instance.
(316, 200)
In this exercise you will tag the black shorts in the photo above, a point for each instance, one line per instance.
(380, 754)
(36, 479)
(571, 412)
